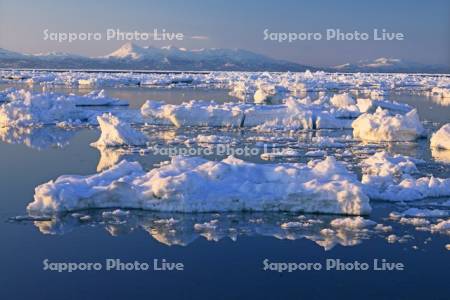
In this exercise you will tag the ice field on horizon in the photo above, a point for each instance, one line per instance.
(325, 143)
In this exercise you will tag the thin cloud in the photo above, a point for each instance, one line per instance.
(200, 37)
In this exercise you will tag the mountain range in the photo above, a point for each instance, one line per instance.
(391, 65)
(134, 57)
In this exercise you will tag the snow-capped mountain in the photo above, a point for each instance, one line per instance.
(389, 65)
(6, 54)
(173, 58)
(134, 57)
(131, 56)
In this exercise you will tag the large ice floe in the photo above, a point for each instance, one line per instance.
(115, 132)
(194, 113)
(294, 114)
(35, 109)
(389, 178)
(193, 184)
(383, 126)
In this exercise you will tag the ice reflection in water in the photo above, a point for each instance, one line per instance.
(441, 155)
(183, 229)
(39, 138)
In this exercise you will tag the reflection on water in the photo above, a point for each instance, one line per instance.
(37, 137)
(441, 155)
(85, 235)
(109, 157)
(440, 100)
(183, 229)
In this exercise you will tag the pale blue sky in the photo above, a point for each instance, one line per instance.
(237, 24)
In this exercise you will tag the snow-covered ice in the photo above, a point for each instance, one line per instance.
(195, 113)
(443, 226)
(411, 189)
(382, 126)
(387, 177)
(37, 109)
(382, 164)
(441, 138)
(115, 132)
(96, 98)
(420, 212)
(352, 223)
(209, 139)
(193, 184)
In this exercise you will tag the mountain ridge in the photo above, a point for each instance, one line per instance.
(131, 56)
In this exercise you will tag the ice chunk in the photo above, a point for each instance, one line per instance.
(352, 223)
(36, 109)
(411, 189)
(193, 184)
(316, 153)
(388, 178)
(269, 94)
(417, 212)
(441, 139)
(209, 113)
(443, 226)
(414, 221)
(329, 120)
(153, 113)
(210, 139)
(293, 115)
(383, 228)
(96, 98)
(383, 164)
(381, 126)
(115, 132)
(342, 100)
(370, 105)
(195, 113)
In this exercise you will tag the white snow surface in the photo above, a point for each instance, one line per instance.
(381, 126)
(193, 184)
(388, 178)
(352, 223)
(245, 84)
(115, 132)
(418, 212)
(441, 138)
(294, 114)
(29, 109)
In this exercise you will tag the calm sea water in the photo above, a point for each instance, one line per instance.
(221, 262)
